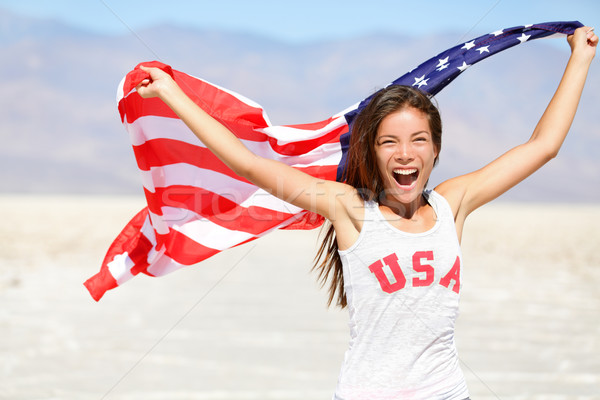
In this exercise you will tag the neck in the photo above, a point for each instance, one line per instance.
(404, 210)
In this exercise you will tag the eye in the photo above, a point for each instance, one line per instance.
(383, 142)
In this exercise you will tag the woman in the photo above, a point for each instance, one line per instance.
(393, 247)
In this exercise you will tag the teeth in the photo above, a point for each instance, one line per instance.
(405, 171)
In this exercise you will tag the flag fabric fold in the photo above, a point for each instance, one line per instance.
(197, 207)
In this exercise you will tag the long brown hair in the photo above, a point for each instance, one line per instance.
(361, 171)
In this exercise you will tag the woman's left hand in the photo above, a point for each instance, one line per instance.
(583, 41)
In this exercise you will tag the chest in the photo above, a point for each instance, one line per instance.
(388, 261)
(418, 271)
(419, 222)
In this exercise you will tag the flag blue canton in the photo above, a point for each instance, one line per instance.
(437, 72)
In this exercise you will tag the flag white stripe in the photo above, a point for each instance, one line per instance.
(216, 237)
(290, 134)
(120, 268)
(162, 265)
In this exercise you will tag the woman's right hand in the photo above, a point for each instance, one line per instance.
(157, 85)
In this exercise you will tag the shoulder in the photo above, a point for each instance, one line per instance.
(351, 204)
(453, 190)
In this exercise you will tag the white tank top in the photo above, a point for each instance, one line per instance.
(402, 291)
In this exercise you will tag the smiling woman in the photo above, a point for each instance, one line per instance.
(393, 248)
(406, 251)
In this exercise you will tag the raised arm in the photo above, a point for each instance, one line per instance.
(305, 191)
(468, 192)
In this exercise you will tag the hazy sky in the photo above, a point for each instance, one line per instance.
(306, 20)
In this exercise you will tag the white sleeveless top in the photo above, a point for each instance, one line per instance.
(402, 291)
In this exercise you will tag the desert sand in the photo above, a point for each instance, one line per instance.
(251, 323)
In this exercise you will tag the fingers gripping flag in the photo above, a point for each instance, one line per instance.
(197, 207)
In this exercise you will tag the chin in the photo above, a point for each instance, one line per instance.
(404, 195)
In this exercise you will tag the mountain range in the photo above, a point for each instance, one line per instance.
(61, 132)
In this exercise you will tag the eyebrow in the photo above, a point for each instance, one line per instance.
(412, 134)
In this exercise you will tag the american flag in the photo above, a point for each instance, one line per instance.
(197, 207)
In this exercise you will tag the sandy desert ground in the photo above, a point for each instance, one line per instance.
(251, 323)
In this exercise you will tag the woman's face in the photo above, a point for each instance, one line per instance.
(405, 154)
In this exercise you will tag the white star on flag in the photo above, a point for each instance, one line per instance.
(421, 82)
(443, 64)
(418, 81)
(463, 66)
(469, 45)
(498, 33)
(483, 49)
(523, 38)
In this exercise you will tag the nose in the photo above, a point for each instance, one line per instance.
(404, 152)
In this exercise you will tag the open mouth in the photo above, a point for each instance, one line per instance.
(406, 177)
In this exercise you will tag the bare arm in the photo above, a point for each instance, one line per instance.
(468, 192)
(321, 196)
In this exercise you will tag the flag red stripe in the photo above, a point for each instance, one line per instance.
(313, 126)
(133, 107)
(187, 251)
(159, 152)
(139, 255)
(183, 249)
(304, 146)
(223, 105)
(100, 283)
